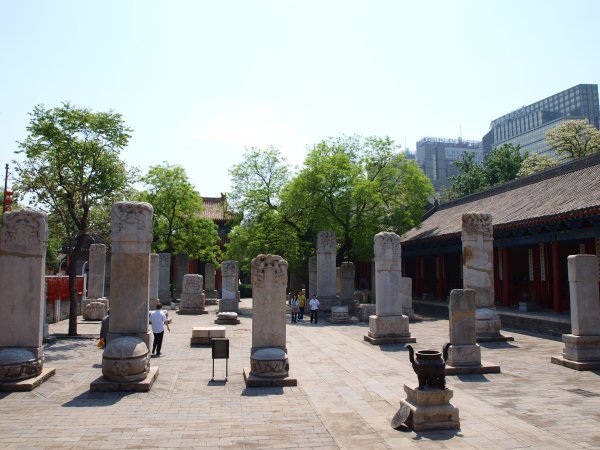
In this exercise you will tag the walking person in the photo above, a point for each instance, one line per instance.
(301, 305)
(314, 308)
(158, 320)
(295, 309)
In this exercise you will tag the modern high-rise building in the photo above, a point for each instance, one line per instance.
(436, 157)
(527, 126)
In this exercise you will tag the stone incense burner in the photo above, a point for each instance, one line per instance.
(429, 365)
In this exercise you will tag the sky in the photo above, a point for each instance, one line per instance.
(201, 81)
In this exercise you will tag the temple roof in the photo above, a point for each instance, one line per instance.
(568, 191)
(215, 208)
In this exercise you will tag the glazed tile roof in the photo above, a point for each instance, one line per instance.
(570, 190)
(214, 208)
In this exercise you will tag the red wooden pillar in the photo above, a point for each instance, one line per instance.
(556, 276)
(537, 283)
(505, 277)
(418, 276)
(439, 282)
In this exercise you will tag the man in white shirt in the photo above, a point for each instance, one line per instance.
(314, 308)
(158, 320)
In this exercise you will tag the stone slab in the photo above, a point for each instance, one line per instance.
(227, 321)
(102, 385)
(389, 340)
(28, 384)
(472, 370)
(254, 381)
(581, 366)
(430, 409)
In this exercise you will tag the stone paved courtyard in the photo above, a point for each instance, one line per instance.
(347, 393)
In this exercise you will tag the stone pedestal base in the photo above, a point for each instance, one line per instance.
(366, 310)
(28, 384)
(410, 312)
(487, 326)
(192, 311)
(339, 314)
(580, 352)
(103, 385)
(203, 335)
(229, 305)
(460, 355)
(227, 318)
(94, 308)
(211, 297)
(252, 380)
(429, 409)
(388, 330)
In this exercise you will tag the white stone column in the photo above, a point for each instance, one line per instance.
(389, 325)
(229, 287)
(126, 357)
(582, 346)
(312, 277)
(192, 297)
(164, 278)
(154, 274)
(406, 297)
(210, 291)
(326, 273)
(478, 271)
(23, 241)
(269, 364)
(347, 275)
(95, 305)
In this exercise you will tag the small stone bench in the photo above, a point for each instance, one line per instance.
(227, 318)
(203, 335)
(339, 313)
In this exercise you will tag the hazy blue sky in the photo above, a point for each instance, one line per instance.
(200, 80)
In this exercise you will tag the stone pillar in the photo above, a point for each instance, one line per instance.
(312, 276)
(154, 274)
(268, 357)
(464, 349)
(95, 305)
(582, 346)
(23, 241)
(389, 325)
(210, 293)
(406, 297)
(326, 251)
(182, 264)
(164, 278)
(478, 272)
(126, 358)
(192, 297)
(347, 276)
(229, 287)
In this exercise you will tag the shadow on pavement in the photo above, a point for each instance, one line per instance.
(94, 399)
(475, 378)
(262, 392)
(497, 345)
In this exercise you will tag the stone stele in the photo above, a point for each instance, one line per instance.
(229, 287)
(192, 297)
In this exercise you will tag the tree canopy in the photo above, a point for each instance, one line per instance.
(574, 139)
(536, 163)
(348, 185)
(178, 225)
(72, 169)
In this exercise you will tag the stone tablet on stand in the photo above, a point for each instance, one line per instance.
(126, 358)
(230, 295)
(23, 241)
(326, 271)
(269, 366)
(192, 297)
(210, 293)
(582, 346)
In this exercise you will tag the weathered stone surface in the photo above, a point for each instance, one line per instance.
(347, 280)
(164, 277)
(464, 355)
(462, 317)
(96, 271)
(94, 310)
(584, 295)
(326, 273)
(406, 297)
(182, 262)
(366, 311)
(581, 348)
(154, 274)
(23, 241)
(126, 359)
(312, 276)
(388, 326)
(227, 318)
(339, 314)
(229, 289)
(192, 298)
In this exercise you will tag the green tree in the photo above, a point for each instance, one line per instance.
(72, 165)
(536, 163)
(502, 164)
(471, 178)
(356, 188)
(574, 139)
(178, 225)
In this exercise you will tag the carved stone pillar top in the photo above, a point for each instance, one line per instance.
(326, 242)
(131, 224)
(24, 231)
(229, 269)
(388, 251)
(265, 263)
(477, 223)
(192, 283)
(98, 249)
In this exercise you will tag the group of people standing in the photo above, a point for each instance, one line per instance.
(298, 304)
